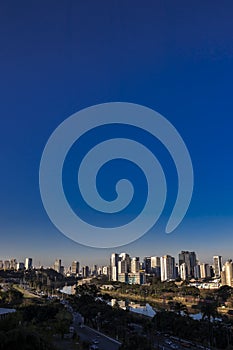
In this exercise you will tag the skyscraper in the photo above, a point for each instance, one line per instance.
(147, 264)
(135, 265)
(28, 263)
(7, 265)
(190, 260)
(85, 271)
(122, 266)
(75, 267)
(13, 264)
(105, 270)
(227, 274)
(217, 259)
(182, 270)
(20, 266)
(155, 266)
(126, 257)
(57, 265)
(197, 271)
(167, 264)
(114, 267)
(205, 271)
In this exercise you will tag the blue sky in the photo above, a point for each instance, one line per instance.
(58, 57)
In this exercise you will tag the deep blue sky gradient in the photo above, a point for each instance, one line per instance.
(58, 57)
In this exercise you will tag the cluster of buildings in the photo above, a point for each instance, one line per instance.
(123, 268)
(12, 264)
(132, 270)
(75, 270)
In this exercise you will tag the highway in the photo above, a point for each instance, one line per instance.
(97, 339)
(101, 341)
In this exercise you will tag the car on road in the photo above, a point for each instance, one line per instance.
(94, 347)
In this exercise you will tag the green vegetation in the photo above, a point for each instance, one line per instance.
(23, 339)
(173, 318)
(10, 298)
(43, 321)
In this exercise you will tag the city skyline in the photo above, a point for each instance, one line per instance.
(128, 269)
(66, 264)
(167, 57)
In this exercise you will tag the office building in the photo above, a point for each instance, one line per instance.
(20, 266)
(197, 271)
(123, 277)
(205, 271)
(7, 265)
(125, 257)
(85, 271)
(75, 268)
(13, 264)
(147, 265)
(135, 265)
(155, 266)
(105, 270)
(217, 266)
(94, 270)
(28, 263)
(183, 271)
(167, 264)
(57, 265)
(136, 278)
(227, 274)
(189, 258)
(114, 267)
(122, 266)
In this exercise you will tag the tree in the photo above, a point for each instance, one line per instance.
(178, 307)
(136, 342)
(224, 292)
(23, 339)
(64, 320)
(208, 310)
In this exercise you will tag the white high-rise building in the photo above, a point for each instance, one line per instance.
(114, 266)
(183, 271)
(125, 257)
(205, 270)
(135, 265)
(217, 259)
(114, 273)
(228, 269)
(167, 264)
(7, 265)
(28, 263)
(122, 266)
(105, 270)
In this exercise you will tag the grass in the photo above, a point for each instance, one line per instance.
(26, 293)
